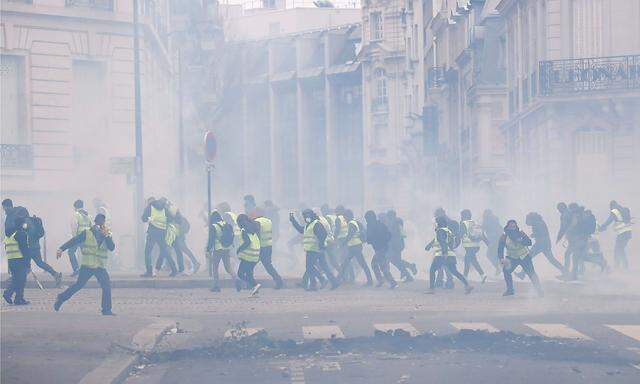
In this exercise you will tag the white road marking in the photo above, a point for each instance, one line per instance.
(632, 331)
(390, 327)
(557, 330)
(321, 332)
(242, 332)
(297, 373)
(331, 366)
(475, 326)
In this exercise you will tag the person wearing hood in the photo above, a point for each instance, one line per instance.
(35, 232)
(397, 245)
(516, 243)
(314, 236)
(81, 221)
(96, 242)
(248, 253)
(218, 250)
(9, 216)
(444, 256)
(157, 216)
(540, 232)
(378, 236)
(17, 250)
(471, 235)
(354, 244)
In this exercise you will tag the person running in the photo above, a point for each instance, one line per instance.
(249, 253)
(621, 218)
(35, 232)
(378, 236)
(444, 257)
(540, 233)
(96, 242)
(265, 233)
(397, 245)
(17, 252)
(516, 243)
(218, 248)
(472, 235)
(354, 240)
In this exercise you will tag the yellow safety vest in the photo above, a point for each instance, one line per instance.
(310, 242)
(437, 250)
(12, 248)
(217, 245)
(266, 232)
(171, 234)
(234, 224)
(93, 256)
(83, 223)
(327, 227)
(344, 229)
(355, 239)
(516, 250)
(619, 226)
(331, 219)
(158, 218)
(467, 242)
(252, 252)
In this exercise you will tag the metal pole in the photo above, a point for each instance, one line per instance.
(208, 190)
(139, 191)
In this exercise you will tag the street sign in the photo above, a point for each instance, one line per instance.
(210, 147)
(121, 165)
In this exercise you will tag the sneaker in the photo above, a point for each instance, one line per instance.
(173, 274)
(255, 290)
(7, 297)
(393, 285)
(58, 303)
(408, 279)
(468, 289)
(108, 313)
(58, 279)
(508, 293)
(21, 302)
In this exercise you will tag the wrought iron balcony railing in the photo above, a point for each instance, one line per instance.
(16, 156)
(105, 5)
(436, 77)
(562, 77)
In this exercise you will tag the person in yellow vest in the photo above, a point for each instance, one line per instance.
(156, 215)
(516, 243)
(81, 221)
(248, 253)
(218, 248)
(175, 237)
(314, 237)
(444, 256)
(96, 243)
(354, 241)
(472, 235)
(17, 250)
(265, 234)
(621, 219)
(340, 234)
(328, 219)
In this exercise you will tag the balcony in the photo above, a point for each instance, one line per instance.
(105, 5)
(567, 77)
(16, 156)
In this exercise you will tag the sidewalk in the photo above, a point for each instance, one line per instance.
(71, 348)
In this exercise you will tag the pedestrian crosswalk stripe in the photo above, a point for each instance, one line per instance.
(320, 332)
(390, 327)
(241, 332)
(557, 330)
(632, 331)
(475, 326)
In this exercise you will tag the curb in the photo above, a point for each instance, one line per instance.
(116, 367)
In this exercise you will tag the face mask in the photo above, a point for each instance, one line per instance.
(308, 220)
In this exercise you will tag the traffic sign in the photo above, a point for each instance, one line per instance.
(210, 147)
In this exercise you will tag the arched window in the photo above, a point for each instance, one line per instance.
(381, 86)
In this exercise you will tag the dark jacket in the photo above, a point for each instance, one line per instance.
(522, 239)
(378, 235)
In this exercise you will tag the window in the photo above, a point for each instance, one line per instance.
(14, 129)
(377, 26)
(106, 5)
(381, 87)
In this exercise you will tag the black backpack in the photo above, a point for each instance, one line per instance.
(36, 230)
(454, 227)
(226, 238)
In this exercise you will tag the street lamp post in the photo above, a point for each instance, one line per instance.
(139, 191)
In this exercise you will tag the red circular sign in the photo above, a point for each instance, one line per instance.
(210, 147)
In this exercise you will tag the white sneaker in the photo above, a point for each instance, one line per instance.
(255, 290)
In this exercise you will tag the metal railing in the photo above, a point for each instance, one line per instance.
(16, 156)
(105, 5)
(562, 77)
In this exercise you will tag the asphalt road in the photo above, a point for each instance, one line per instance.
(577, 333)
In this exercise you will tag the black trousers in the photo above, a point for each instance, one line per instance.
(84, 275)
(224, 256)
(156, 237)
(355, 252)
(245, 272)
(36, 256)
(180, 247)
(318, 259)
(73, 259)
(449, 264)
(18, 269)
(545, 249)
(395, 259)
(471, 260)
(380, 266)
(265, 259)
(620, 252)
(527, 266)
